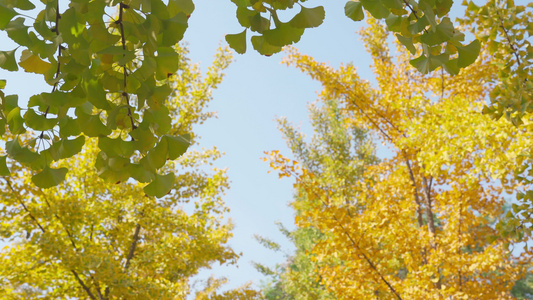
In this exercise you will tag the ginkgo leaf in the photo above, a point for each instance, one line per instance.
(443, 32)
(375, 8)
(6, 14)
(91, 125)
(15, 121)
(184, 6)
(284, 34)
(39, 122)
(237, 41)
(49, 177)
(4, 170)
(308, 17)
(116, 147)
(24, 4)
(468, 54)
(160, 185)
(407, 42)
(33, 63)
(7, 60)
(156, 158)
(177, 145)
(18, 32)
(263, 47)
(426, 64)
(258, 23)
(174, 29)
(354, 10)
(66, 148)
(167, 62)
(18, 153)
(244, 15)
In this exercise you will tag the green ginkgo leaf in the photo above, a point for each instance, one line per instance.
(177, 145)
(167, 62)
(284, 34)
(49, 177)
(8, 61)
(19, 153)
(174, 29)
(160, 186)
(91, 125)
(38, 122)
(156, 157)
(354, 10)
(24, 4)
(66, 148)
(426, 64)
(263, 47)
(468, 54)
(4, 170)
(376, 8)
(237, 41)
(184, 6)
(407, 42)
(309, 17)
(6, 14)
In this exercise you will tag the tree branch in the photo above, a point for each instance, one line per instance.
(133, 245)
(85, 287)
(123, 6)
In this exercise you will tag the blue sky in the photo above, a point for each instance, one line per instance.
(256, 90)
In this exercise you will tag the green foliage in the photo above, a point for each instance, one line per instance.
(523, 289)
(92, 63)
(422, 22)
(113, 71)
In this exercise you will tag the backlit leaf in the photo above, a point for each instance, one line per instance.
(237, 41)
(7, 60)
(32, 63)
(308, 17)
(49, 177)
(354, 10)
(160, 186)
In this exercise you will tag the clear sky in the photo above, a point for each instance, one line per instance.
(256, 90)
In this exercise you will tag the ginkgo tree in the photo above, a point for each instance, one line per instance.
(506, 30)
(111, 71)
(88, 238)
(420, 225)
(338, 154)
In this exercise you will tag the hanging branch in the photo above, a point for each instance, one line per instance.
(58, 70)
(125, 94)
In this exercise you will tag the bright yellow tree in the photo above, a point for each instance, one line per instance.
(93, 239)
(421, 224)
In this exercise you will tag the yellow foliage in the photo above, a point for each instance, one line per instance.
(422, 224)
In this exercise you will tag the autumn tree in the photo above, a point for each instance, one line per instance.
(420, 224)
(88, 238)
(337, 153)
(506, 30)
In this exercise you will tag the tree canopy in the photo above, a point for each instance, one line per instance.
(110, 73)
